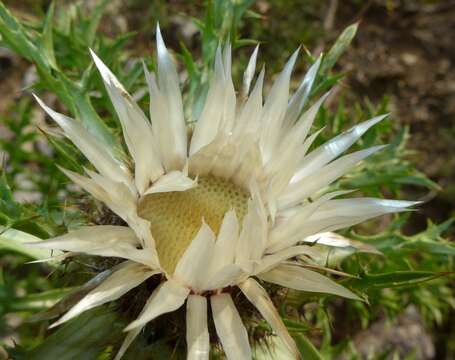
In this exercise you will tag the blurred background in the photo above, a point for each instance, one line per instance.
(403, 56)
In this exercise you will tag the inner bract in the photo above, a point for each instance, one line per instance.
(176, 217)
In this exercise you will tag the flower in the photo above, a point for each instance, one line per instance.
(230, 204)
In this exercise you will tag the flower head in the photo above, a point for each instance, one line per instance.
(233, 204)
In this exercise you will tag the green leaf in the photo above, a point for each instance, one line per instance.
(70, 298)
(432, 247)
(296, 327)
(14, 240)
(47, 43)
(86, 113)
(435, 231)
(430, 241)
(306, 348)
(14, 35)
(189, 62)
(95, 19)
(419, 180)
(245, 42)
(326, 83)
(392, 279)
(68, 152)
(340, 46)
(38, 301)
(5, 191)
(85, 337)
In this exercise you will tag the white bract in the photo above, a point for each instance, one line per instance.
(240, 199)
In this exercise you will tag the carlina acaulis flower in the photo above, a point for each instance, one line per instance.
(231, 205)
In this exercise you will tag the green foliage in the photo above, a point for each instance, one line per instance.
(411, 270)
(83, 338)
(39, 49)
(33, 220)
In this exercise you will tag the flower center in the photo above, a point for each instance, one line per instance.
(176, 217)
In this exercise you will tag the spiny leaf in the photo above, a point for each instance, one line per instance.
(392, 279)
(432, 247)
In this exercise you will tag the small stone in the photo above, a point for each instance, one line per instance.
(409, 59)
